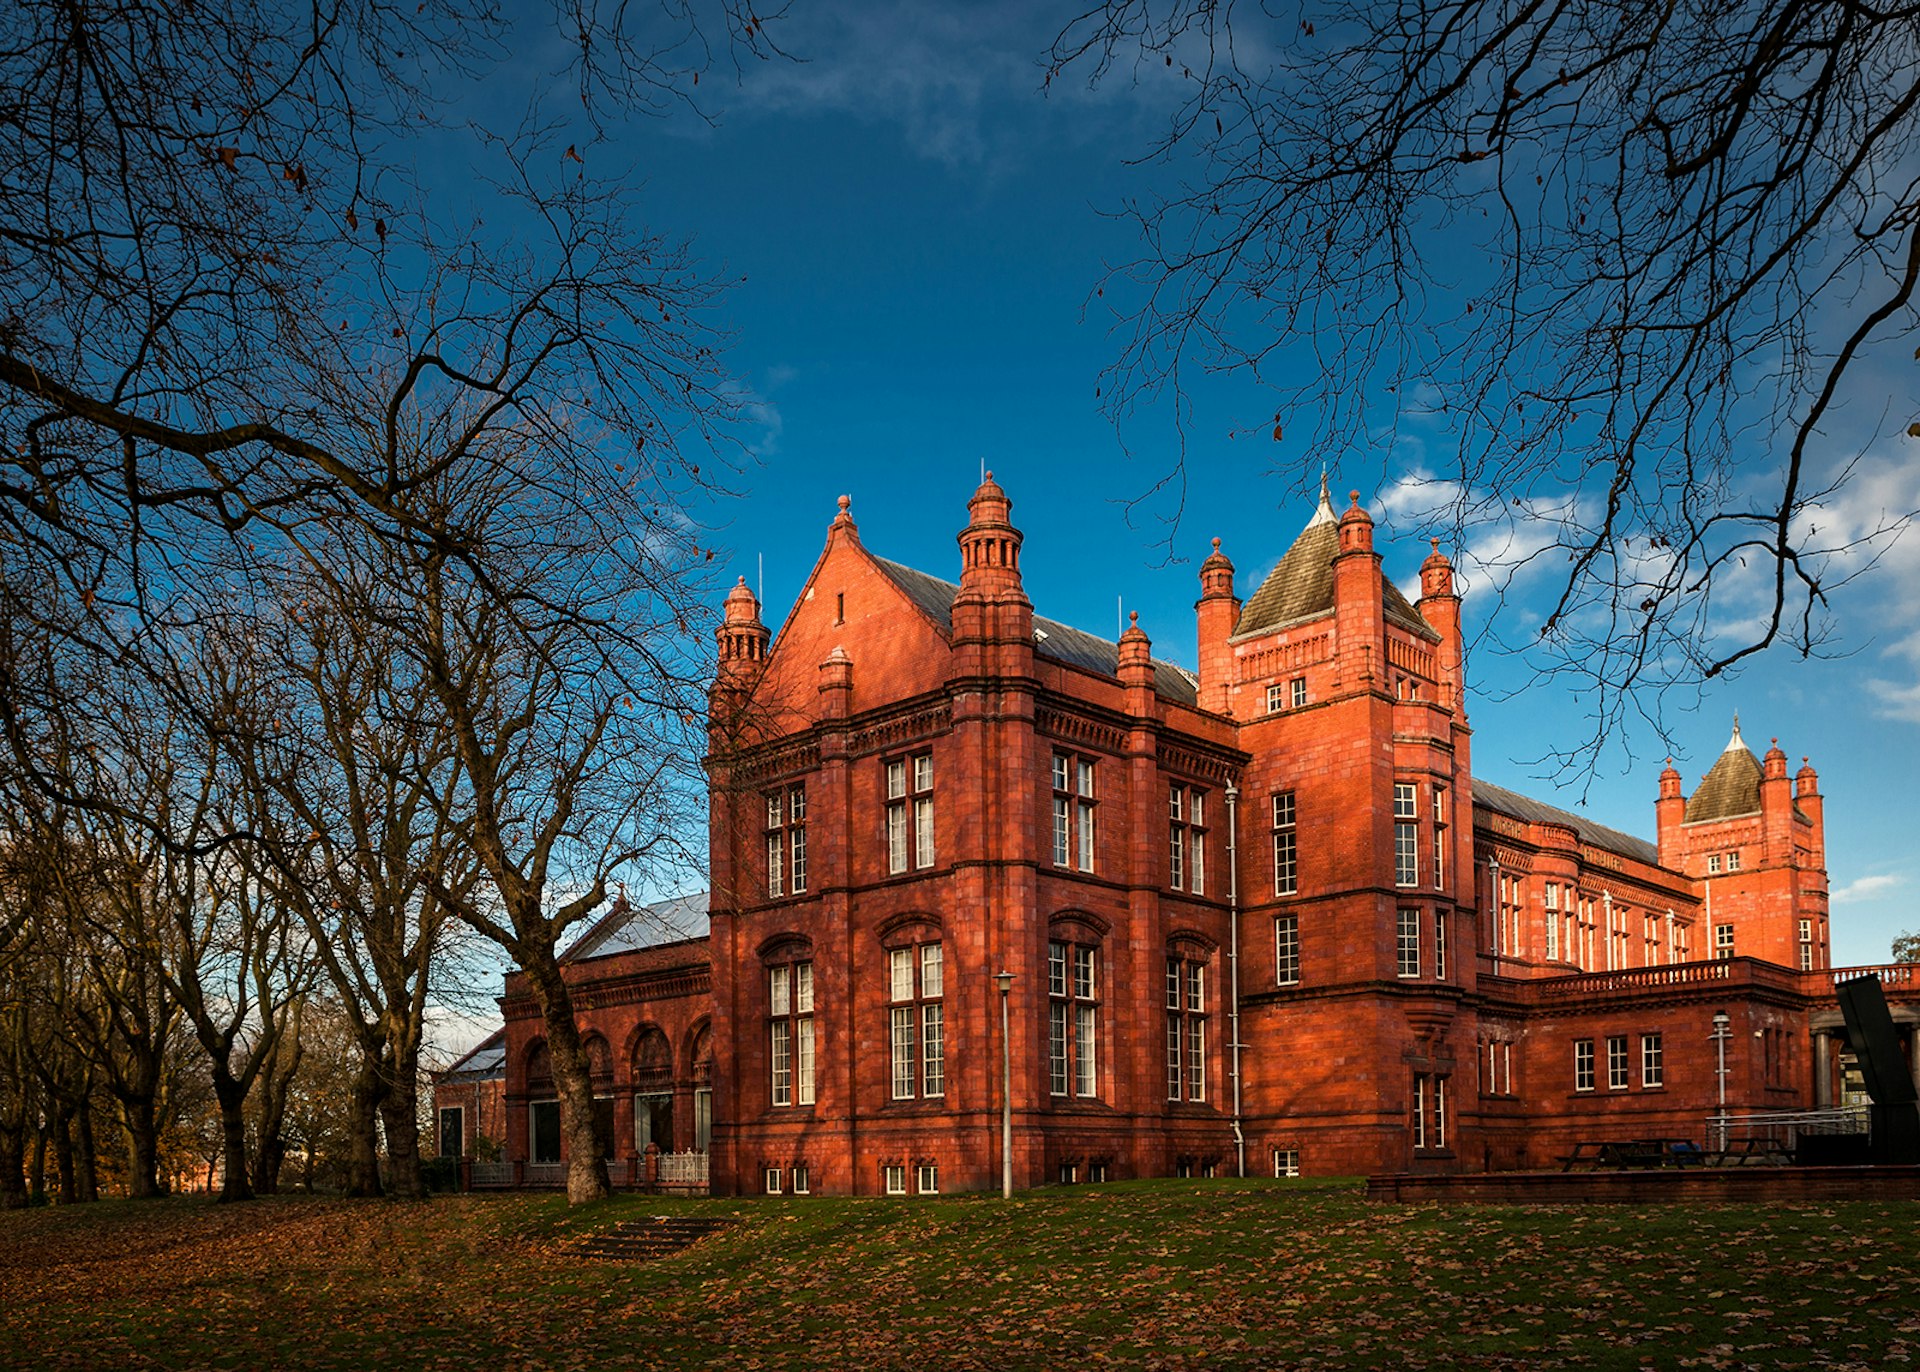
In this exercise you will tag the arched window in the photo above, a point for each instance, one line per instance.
(653, 1092)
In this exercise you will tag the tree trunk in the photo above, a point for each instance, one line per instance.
(400, 1113)
(13, 1161)
(37, 1169)
(586, 1152)
(143, 1148)
(234, 1185)
(363, 1155)
(63, 1157)
(86, 1172)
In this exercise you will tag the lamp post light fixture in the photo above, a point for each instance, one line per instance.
(1493, 900)
(1722, 1031)
(1005, 980)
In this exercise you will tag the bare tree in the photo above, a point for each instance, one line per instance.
(1698, 222)
(567, 668)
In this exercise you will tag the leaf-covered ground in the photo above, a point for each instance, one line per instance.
(1166, 1274)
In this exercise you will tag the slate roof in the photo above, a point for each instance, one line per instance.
(1516, 806)
(1051, 639)
(626, 928)
(1300, 586)
(487, 1060)
(1731, 786)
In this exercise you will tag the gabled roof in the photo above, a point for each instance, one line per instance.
(1731, 786)
(1512, 804)
(1051, 639)
(626, 928)
(489, 1059)
(1300, 586)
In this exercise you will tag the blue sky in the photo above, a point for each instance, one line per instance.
(916, 231)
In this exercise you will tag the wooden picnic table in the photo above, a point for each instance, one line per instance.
(1625, 1153)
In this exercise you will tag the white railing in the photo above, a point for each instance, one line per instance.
(1785, 1127)
(492, 1174)
(546, 1174)
(683, 1169)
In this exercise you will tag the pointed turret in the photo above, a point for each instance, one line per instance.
(992, 606)
(1216, 611)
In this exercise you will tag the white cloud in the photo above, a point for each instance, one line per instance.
(1866, 888)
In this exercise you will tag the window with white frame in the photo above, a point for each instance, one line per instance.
(1617, 1076)
(1187, 838)
(1550, 896)
(1406, 835)
(1286, 850)
(927, 1179)
(1276, 698)
(1733, 860)
(773, 1181)
(1073, 1019)
(1286, 1162)
(787, 841)
(1186, 1028)
(894, 1177)
(1713, 863)
(1297, 691)
(790, 1033)
(1653, 1064)
(916, 1020)
(1073, 803)
(1407, 959)
(1439, 945)
(1439, 837)
(1583, 1064)
(802, 1180)
(1806, 945)
(909, 813)
(1723, 940)
(1286, 950)
(1429, 1111)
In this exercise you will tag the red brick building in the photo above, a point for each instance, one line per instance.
(919, 785)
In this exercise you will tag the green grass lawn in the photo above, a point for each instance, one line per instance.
(1166, 1274)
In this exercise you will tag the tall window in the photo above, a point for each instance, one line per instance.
(1429, 1111)
(910, 814)
(1286, 949)
(1072, 812)
(1297, 691)
(1653, 1066)
(790, 1033)
(1713, 863)
(1073, 1019)
(1723, 940)
(1406, 835)
(1408, 953)
(1439, 945)
(1551, 928)
(1186, 1029)
(1733, 860)
(1439, 837)
(787, 841)
(1617, 1079)
(1286, 852)
(1187, 838)
(1806, 945)
(916, 1021)
(1583, 1064)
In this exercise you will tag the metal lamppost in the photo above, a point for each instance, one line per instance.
(1499, 916)
(1721, 1033)
(1005, 980)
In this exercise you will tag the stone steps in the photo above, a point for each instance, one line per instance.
(659, 1236)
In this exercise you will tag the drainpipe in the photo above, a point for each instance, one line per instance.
(1233, 967)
